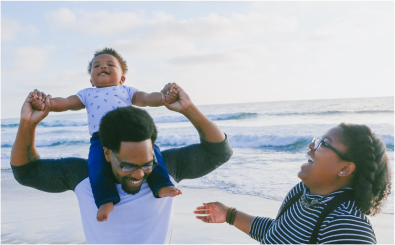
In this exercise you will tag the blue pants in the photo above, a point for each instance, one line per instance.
(103, 181)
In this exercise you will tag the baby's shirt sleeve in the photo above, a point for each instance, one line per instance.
(82, 96)
(131, 91)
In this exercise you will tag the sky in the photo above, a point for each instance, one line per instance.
(218, 52)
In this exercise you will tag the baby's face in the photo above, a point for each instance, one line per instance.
(106, 71)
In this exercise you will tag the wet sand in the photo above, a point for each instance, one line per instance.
(32, 216)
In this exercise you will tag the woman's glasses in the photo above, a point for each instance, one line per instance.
(317, 142)
(132, 168)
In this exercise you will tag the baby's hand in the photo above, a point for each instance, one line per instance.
(38, 102)
(171, 94)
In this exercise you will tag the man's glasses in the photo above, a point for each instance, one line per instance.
(129, 168)
(317, 142)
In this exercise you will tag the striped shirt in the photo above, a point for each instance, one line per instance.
(346, 224)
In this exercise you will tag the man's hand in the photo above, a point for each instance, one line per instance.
(38, 101)
(180, 98)
(171, 94)
(32, 115)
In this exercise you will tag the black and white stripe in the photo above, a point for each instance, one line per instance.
(346, 224)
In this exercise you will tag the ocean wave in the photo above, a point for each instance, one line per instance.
(257, 141)
(4, 155)
(329, 112)
(51, 142)
(236, 140)
(63, 123)
(214, 117)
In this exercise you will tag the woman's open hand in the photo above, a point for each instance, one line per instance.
(216, 212)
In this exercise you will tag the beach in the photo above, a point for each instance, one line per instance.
(269, 140)
(32, 216)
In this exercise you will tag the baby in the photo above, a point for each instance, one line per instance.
(107, 70)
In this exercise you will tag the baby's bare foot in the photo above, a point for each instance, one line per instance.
(169, 191)
(104, 211)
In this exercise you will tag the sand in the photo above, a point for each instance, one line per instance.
(32, 216)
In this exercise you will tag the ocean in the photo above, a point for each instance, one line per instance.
(270, 139)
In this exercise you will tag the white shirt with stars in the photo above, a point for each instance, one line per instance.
(99, 101)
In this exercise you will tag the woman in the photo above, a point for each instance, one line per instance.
(346, 177)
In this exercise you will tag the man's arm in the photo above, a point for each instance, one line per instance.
(47, 175)
(196, 160)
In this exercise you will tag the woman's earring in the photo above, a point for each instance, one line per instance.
(341, 172)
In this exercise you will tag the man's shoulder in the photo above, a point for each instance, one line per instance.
(52, 175)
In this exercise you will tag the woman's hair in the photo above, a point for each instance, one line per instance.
(372, 175)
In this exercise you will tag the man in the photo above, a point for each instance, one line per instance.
(137, 218)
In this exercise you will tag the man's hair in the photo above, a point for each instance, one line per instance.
(112, 52)
(126, 124)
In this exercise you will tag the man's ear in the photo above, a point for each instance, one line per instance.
(348, 169)
(107, 153)
(123, 78)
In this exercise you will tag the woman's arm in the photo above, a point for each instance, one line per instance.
(217, 214)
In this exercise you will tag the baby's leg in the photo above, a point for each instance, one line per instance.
(104, 211)
(102, 180)
(159, 180)
(169, 191)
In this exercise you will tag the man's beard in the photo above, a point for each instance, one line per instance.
(131, 190)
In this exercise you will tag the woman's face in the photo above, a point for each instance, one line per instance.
(322, 169)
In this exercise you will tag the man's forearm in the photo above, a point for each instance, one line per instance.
(24, 149)
(207, 129)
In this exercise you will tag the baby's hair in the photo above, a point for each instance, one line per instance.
(112, 52)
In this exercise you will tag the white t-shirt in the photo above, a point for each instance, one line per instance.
(148, 218)
(99, 101)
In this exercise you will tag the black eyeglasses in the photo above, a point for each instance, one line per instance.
(129, 168)
(317, 142)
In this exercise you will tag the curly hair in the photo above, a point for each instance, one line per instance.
(372, 176)
(127, 124)
(112, 52)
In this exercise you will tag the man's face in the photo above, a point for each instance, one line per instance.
(131, 154)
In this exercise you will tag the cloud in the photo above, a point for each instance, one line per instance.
(164, 26)
(218, 58)
(99, 23)
(237, 26)
(10, 28)
(147, 46)
(28, 59)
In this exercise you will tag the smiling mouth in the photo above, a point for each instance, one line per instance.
(308, 164)
(103, 73)
(134, 182)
